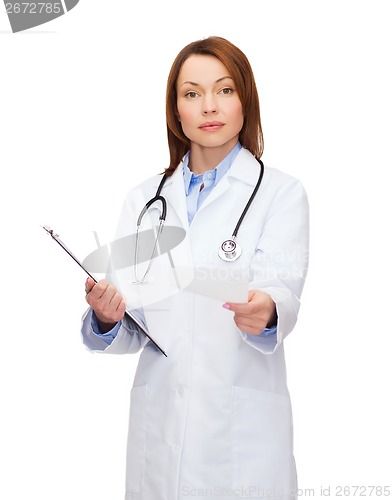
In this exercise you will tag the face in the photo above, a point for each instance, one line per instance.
(209, 108)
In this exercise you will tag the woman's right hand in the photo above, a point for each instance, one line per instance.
(108, 304)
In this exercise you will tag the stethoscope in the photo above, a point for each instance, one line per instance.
(229, 250)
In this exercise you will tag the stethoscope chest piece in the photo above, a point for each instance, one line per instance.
(229, 250)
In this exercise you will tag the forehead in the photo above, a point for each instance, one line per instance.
(202, 69)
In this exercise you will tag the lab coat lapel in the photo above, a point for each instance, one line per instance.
(175, 271)
(174, 193)
(177, 215)
(245, 168)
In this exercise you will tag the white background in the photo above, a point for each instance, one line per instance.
(82, 121)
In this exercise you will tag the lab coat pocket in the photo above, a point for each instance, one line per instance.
(136, 450)
(261, 444)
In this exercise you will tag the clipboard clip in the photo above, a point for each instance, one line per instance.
(64, 247)
(127, 312)
(50, 231)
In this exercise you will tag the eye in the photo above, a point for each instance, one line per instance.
(227, 91)
(191, 94)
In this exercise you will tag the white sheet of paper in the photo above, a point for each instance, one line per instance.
(215, 283)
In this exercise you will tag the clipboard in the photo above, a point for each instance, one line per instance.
(128, 312)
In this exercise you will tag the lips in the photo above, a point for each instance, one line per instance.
(211, 126)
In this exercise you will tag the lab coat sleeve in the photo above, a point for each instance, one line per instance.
(129, 339)
(280, 264)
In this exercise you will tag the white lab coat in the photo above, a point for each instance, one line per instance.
(213, 419)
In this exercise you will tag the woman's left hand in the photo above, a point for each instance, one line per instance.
(258, 313)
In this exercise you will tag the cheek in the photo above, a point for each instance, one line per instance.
(238, 113)
(184, 114)
(187, 119)
(237, 116)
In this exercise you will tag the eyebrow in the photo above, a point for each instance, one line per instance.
(198, 85)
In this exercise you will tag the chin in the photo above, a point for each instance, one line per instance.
(214, 142)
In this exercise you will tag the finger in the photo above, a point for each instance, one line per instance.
(248, 327)
(256, 301)
(104, 302)
(115, 301)
(95, 295)
(99, 289)
(122, 307)
(90, 283)
(244, 321)
(117, 308)
(238, 308)
(109, 294)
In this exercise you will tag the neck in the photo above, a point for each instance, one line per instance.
(202, 158)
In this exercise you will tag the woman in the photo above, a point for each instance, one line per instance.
(214, 417)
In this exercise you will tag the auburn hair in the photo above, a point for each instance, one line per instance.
(251, 134)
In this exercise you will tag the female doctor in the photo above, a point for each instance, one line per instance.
(213, 418)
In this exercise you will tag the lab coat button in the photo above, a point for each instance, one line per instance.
(181, 392)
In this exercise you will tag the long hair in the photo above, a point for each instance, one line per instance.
(251, 135)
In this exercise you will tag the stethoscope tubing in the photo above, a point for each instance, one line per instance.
(252, 197)
(228, 256)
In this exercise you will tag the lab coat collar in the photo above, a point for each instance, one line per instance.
(244, 168)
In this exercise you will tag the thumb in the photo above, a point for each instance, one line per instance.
(90, 283)
(251, 295)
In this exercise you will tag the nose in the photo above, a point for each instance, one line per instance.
(209, 105)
